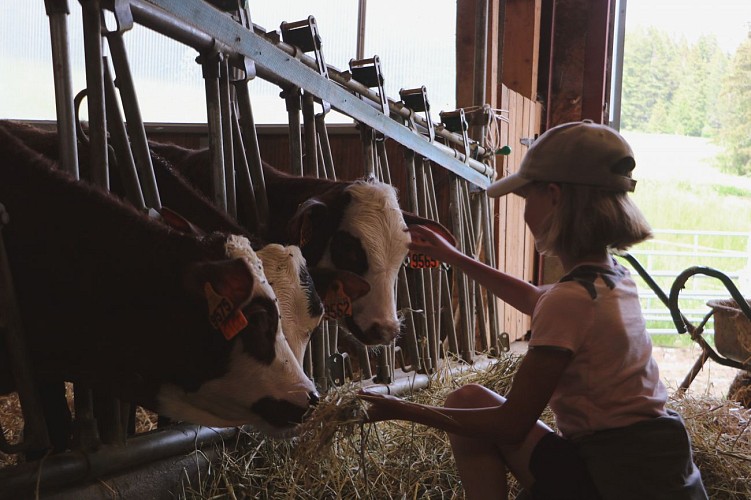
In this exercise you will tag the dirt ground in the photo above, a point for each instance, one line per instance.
(675, 363)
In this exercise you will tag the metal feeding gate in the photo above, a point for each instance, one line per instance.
(440, 306)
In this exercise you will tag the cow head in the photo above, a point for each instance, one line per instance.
(299, 302)
(262, 383)
(359, 229)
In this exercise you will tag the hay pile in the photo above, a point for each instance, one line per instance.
(336, 457)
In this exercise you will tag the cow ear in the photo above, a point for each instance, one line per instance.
(175, 221)
(323, 279)
(230, 279)
(303, 223)
(415, 220)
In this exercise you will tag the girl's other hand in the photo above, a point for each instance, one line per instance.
(428, 242)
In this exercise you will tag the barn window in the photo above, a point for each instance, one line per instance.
(415, 44)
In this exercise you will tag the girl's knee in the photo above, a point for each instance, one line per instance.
(472, 396)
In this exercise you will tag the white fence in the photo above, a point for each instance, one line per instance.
(673, 251)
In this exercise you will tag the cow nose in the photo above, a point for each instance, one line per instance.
(313, 398)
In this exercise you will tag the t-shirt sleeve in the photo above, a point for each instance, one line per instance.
(562, 318)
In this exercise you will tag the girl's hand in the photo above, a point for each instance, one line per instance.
(428, 242)
(382, 407)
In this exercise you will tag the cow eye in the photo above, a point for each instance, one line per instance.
(348, 254)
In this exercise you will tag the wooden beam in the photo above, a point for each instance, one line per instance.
(522, 46)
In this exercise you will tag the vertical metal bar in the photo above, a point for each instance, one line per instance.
(323, 139)
(366, 137)
(490, 257)
(362, 7)
(383, 160)
(459, 277)
(210, 68)
(134, 122)
(57, 11)
(253, 151)
(417, 330)
(225, 104)
(292, 99)
(92, 39)
(125, 163)
(245, 187)
(425, 275)
(310, 156)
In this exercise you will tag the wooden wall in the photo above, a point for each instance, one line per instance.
(515, 245)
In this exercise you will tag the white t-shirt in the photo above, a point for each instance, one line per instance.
(612, 380)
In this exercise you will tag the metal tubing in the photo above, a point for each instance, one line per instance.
(225, 106)
(57, 11)
(293, 100)
(249, 210)
(253, 151)
(323, 139)
(119, 137)
(67, 468)
(283, 64)
(210, 67)
(311, 141)
(134, 122)
(92, 39)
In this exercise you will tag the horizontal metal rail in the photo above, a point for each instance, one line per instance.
(186, 20)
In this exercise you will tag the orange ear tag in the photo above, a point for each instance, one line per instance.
(221, 316)
(336, 303)
(422, 261)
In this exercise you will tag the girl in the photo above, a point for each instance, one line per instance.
(589, 356)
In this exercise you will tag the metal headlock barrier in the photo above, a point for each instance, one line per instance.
(444, 312)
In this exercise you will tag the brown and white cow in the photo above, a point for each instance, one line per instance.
(190, 211)
(355, 226)
(185, 325)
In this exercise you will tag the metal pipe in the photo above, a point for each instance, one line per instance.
(210, 69)
(134, 122)
(57, 11)
(253, 151)
(617, 87)
(67, 468)
(119, 137)
(284, 60)
(225, 107)
(92, 39)
(311, 141)
(293, 101)
(245, 188)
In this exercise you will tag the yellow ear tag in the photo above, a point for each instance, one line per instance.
(336, 303)
(221, 316)
(422, 261)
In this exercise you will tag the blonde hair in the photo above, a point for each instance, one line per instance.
(591, 219)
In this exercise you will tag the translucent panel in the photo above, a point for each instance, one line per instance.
(416, 42)
(168, 80)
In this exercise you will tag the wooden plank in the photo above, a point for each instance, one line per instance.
(522, 34)
(465, 52)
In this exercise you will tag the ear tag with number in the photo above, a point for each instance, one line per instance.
(336, 303)
(422, 261)
(221, 314)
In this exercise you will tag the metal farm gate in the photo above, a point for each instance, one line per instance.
(447, 318)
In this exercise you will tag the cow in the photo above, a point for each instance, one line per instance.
(190, 211)
(355, 226)
(185, 325)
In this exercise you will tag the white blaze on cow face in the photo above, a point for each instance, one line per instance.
(299, 304)
(375, 219)
(273, 396)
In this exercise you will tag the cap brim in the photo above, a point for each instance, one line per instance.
(507, 185)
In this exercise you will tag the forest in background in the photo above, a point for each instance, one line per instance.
(694, 89)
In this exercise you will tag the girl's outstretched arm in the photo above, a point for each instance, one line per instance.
(517, 293)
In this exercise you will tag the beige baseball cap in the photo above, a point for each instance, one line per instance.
(574, 153)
